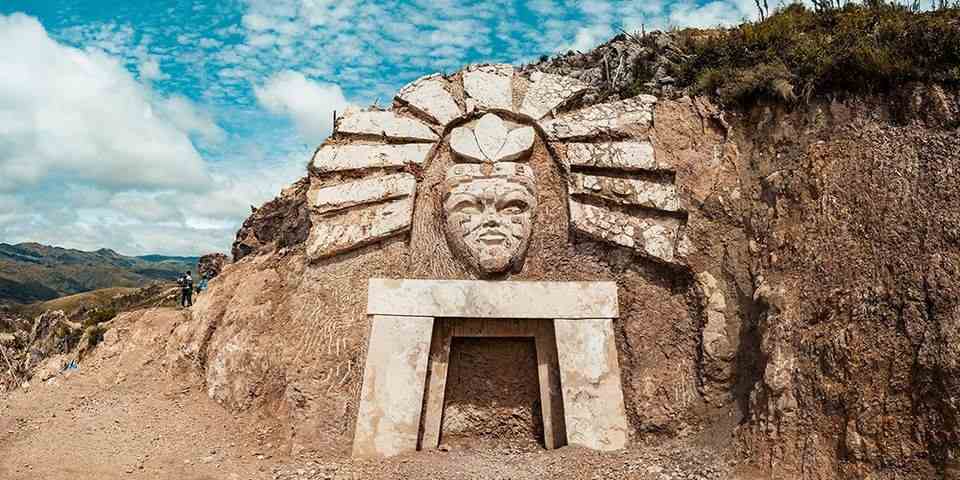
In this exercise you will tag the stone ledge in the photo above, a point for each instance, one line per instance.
(492, 299)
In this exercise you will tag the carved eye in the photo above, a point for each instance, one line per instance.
(468, 207)
(514, 207)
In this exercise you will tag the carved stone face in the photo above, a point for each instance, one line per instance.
(489, 212)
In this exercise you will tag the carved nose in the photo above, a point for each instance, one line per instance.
(490, 217)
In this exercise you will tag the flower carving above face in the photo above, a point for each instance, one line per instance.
(489, 211)
(490, 139)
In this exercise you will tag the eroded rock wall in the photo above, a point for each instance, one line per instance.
(814, 329)
(854, 257)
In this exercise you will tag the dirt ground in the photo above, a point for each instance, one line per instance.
(122, 415)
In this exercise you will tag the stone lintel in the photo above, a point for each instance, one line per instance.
(391, 398)
(492, 299)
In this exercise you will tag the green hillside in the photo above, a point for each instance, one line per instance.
(31, 272)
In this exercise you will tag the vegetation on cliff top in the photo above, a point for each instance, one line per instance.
(797, 52)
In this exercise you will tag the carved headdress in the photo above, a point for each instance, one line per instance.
(490, 193)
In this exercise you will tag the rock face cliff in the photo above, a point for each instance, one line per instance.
(810, 329)
(816, 324)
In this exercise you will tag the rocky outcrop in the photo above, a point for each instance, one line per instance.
(211, 265)
(281, 222)
(627, 65)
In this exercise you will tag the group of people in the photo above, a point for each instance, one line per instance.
(187, 288)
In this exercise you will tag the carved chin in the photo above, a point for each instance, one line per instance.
(494, 260)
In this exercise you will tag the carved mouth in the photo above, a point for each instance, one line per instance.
(492, 237)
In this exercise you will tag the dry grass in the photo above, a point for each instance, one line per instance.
(91, 299)
(798, 53)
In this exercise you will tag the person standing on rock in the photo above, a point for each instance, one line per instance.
(186, 290)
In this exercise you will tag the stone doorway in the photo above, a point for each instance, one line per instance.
(405, 375)
(505, 389)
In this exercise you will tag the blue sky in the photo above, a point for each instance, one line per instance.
(153, 126)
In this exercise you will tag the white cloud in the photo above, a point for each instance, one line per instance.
(690, 14)
(75, 113)
(182, 113)
(92, 158)
(150, 70)
(309, 103)
(589, 37)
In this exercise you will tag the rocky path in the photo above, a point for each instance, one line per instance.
(123, 417)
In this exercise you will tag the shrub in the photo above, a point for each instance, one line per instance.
(99, 316)
(94, 335)
(797, 53)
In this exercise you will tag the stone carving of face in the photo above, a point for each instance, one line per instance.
(489, 211)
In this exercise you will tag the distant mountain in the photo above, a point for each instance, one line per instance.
(31, 272)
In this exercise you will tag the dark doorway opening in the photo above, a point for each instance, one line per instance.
(492, 397)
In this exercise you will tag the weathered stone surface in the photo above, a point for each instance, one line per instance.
(336, 158)
(428, 96)
(491, 140)
(354, 228)
(627, 156)
(387, 124)
(518, 145)
(653, 236)
(388, 420)
(627, 191)
(590, 378)
(338, 197)
(603, 119)
(496, 299)
(490, 85)
(718, 349)
(463, 142)
(491, 134)
(547, 92)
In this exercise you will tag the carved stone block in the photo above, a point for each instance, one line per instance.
(603, 119)
(590, 377)
(491, 86)
(428, 96)
(547, 92)
(653, 236)
(391, 398)
(628, 156)
(336, 158)
(338, 197)
(627, 191)
(351, 229)
(489, 211)
(387, 124)
(491, 140)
